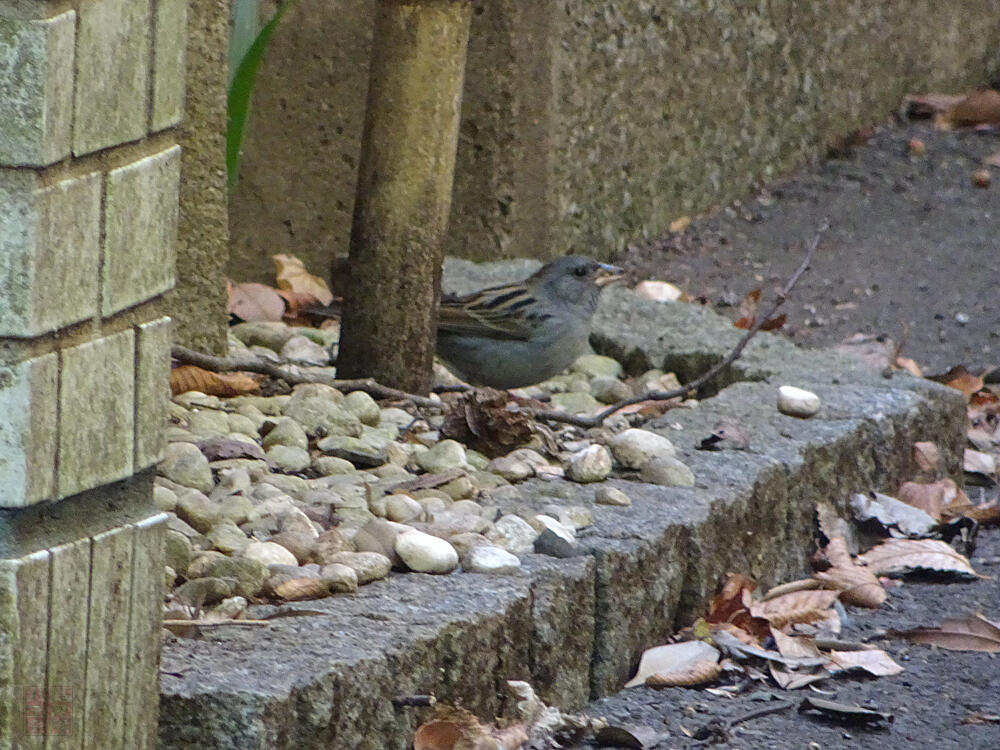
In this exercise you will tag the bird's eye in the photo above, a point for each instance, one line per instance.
(580, 271)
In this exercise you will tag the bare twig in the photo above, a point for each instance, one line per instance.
(694, 385)
(213, 623)
(292, 377)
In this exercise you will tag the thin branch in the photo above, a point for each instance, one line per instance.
(294, 377)
(694, 385)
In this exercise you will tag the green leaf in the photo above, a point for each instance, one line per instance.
(241, 90)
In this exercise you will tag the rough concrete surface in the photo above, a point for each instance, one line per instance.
(326, 681)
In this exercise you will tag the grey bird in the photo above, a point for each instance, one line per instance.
(519, 334)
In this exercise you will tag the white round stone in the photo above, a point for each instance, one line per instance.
(269, 553)
(797, 402)
(424, 553)
(402, 508)
(489, 559)
(658, 291)
(590, 464)
(667, 471)
(448, 454)
(634, 448)
(611, 496)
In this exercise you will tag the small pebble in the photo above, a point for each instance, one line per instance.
(634, 448)
(269, 553)
(611, 496)
(668, 472)
(424, 553)
(489, 559)
(513, 534)
(591, 464)
(796, 402)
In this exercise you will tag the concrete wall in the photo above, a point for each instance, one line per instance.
(91, 93)
(590, 124)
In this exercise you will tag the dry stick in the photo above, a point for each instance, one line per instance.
(694, 385)
(226, 364)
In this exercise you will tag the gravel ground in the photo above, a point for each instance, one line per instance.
(911, 253)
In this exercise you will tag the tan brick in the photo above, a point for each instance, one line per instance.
(24, 608)
(36, 89)
(152, 390)
(140, 230)
(44, 231)
(96, 413)
(112, 73)
(169, 41)
(28, 403)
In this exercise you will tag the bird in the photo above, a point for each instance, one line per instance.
(519, 334)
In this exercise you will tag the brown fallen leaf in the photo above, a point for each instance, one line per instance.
(959, 378)
(974, 633)
(488, 420)
(455, 728)
(909, 365)
(748, 313)
(978, 108)
(291, 275)
(803, 584)
(797, 607)
(252, 302)
(733, 597)
(685, 663)
(838, 554)
(856, 585)
(933, 498)
(191, 378)
(923, 106)
(900, 556)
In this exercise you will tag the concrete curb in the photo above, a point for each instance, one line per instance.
(574, 627)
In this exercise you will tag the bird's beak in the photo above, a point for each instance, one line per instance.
(606, 273)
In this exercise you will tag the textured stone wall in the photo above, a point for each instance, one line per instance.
(591, 124)
(91, 94)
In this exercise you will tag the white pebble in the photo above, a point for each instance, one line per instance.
(796, 402)
(658, 291)
(424, 553)
(489, 559)
(269, 553)
(592, 464)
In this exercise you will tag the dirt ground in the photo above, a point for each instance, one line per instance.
(913, 252)
(913, 249)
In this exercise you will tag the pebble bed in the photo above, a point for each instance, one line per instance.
(312, 493)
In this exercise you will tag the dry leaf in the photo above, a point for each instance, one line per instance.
(800, 606)
(927, 457)
(856, 585)
(731, 599)
(974, 633)
(838, 554)
(892, 513)
(923, 106)
(900, 556)
(905, 363)
(978, 108)
(687, 660)
(488, 420)
(803, 584)
(253, 302)
(292, 275)
(933, 498)
(696, 674)
(873, 661)
(960, 379)
(984, 515)
(190, 378)
(977, 462)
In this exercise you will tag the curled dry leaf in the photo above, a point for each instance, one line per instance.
(803, 584)
(252, 302)
(974, 633)
(488, 420)
(960, 379)
(191, 378)
(873, 661)
(292, 275)
(687, 663)
(900, 556)
(838, 554)
(733, 597)
(856, 585)
(797, 607)
(454, 728)
(892, 513)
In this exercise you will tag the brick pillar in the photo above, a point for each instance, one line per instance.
(91, 96)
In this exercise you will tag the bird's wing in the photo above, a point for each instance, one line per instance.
(509, 311)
